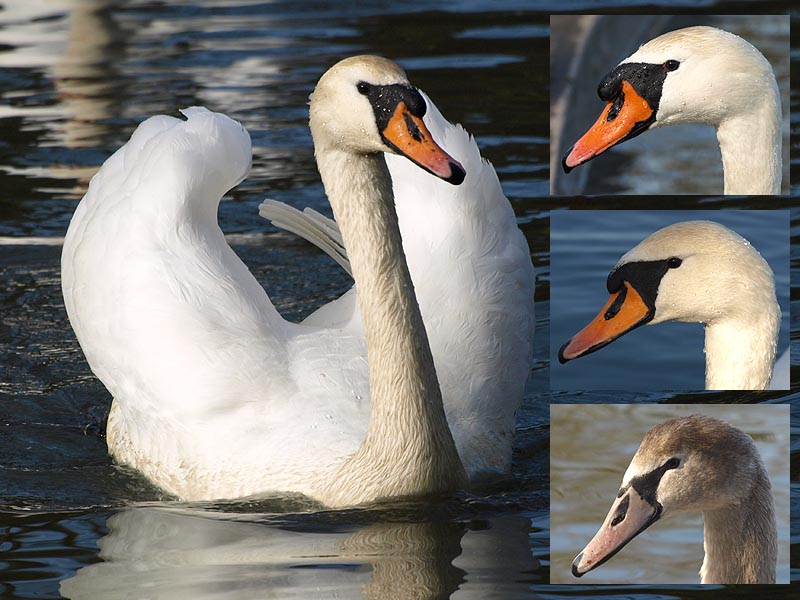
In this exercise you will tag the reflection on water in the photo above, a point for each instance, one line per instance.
(189, 553)
(79, 76)
(592, 446)
(80, 54)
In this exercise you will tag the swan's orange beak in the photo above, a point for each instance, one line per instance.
(408, 135)
(623, 311)
(624, 117)
(630, 514)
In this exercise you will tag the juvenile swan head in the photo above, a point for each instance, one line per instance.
(696, 463)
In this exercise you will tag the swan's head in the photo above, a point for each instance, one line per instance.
(692, 75)
(694, 271)
(688, 463)
(365, 105)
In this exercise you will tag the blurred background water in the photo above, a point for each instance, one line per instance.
(76, 77)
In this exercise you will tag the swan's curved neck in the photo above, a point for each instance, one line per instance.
(408, 448)
(740, 354)
(751, 148)
(740, 540)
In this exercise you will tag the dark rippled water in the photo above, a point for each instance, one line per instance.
(75, 79)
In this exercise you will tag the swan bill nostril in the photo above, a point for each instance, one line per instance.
(407, 134)
(616, 107)
(617, 304)
(625, 310)
(622, 511)
(624, 117)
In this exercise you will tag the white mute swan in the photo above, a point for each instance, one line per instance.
(696, 463)
(474, 282)
(696, 75)
(697, 272)
(215, 395)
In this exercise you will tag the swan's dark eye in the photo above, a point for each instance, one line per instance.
(674, 262)
(363, 87)
(672, 463)
(671, 65)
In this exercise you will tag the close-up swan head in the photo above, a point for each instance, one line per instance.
(365, 105)
(703, 75)
(703, 464)
(681, 452)
(697, 272)
(702, 264)
(695, 75)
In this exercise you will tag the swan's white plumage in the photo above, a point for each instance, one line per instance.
(215, 395)
(200, 352)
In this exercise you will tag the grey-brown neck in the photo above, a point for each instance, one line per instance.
(408, 449)
(741, 540)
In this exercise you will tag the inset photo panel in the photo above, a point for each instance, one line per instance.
(620, 84)
(669, 300)
(669, 493)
